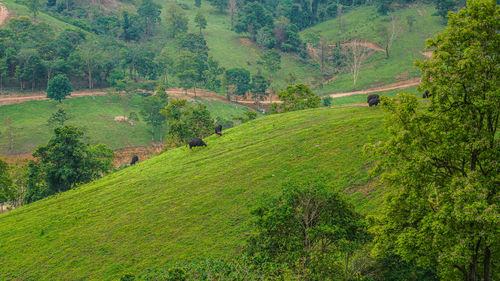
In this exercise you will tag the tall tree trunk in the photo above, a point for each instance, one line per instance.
(90, 78)
(486, 264)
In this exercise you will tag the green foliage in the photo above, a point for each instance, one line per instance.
(6, 187)
(59, 87)
(240, 78)
(441, 160)
(271, 60)
(67, 161)
(304, 228)
(259, 85)
(58, 118)
(34, 6)
(327, 101)
(176, 20)
(296, 97)
(186, 122)
(150, 112)
(252, 17)
(201, 21)
(150, 12)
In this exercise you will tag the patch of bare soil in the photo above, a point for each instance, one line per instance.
(124, 119)
(123, 156)
(427, 53)
(246, 42)
(399, 85)
(367, 44)
(4, 14)
(420, 13)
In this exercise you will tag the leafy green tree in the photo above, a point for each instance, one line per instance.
(34, 6)
(304, 229)
(271, 61)
(259, 86)
(410, 20)
(58, 118)
(186, 121)
(211, 75)
(441, 159)
(197, 3)
(240, 78)
(445, 6)
(194, 43)
(4, 68)
(176, 20)
(219, 4)
(251, 18)
(200, 21)
(296, 97)
(150, 12)
(189, 69)
(151, 108)
(66, 161)
(6, 188)
(131, 29)
(59, 87)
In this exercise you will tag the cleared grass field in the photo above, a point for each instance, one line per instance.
(187, 204)
(94, 114)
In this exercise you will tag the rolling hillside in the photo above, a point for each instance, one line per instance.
(187, 204)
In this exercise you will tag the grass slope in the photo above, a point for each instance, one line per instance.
(95, 114)
(185, 204)
(361, 24)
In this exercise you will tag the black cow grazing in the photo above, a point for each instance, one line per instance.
(373, 100)
(135, 159)
(218, 129)
(196, 142)
(426, 94)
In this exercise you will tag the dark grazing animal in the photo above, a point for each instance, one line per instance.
(196, 142)
(218, 129)
(426, 94)
(135, 159)
(373, 100)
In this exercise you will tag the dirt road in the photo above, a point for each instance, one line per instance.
(394, 86)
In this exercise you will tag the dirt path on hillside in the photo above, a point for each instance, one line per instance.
(4, 14)
(367, 44)
(20, 98)
(394, 86)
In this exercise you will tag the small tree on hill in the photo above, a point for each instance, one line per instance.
(6, 190)
(34, 6)
(296, 97)
(59, 87)
(66, 161)
(58, 118)
(305, 228)
(201, 21)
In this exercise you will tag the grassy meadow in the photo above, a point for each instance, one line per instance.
(187, 204)
(94, 114)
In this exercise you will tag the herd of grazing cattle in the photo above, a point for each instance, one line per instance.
(373, 100)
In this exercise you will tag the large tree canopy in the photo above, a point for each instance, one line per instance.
(441, 161)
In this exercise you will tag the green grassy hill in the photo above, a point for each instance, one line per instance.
(185, 204)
